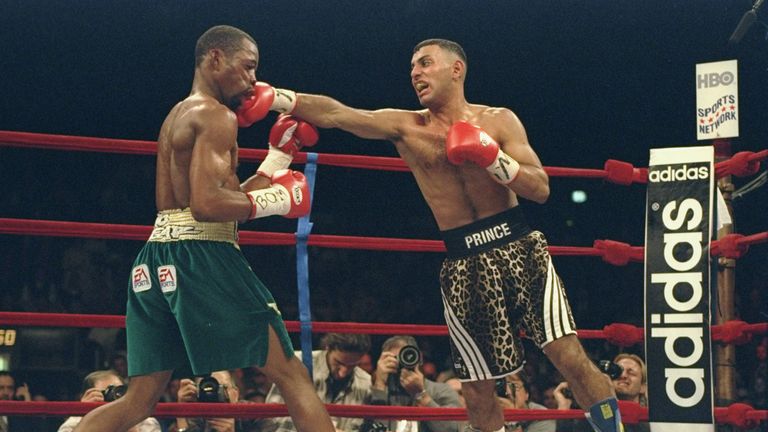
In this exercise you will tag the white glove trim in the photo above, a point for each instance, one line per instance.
(276, 160)
(274, 200)
(285, 101)
(504, 169)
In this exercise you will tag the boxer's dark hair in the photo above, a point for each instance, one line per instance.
(444, 44)
(226, 38)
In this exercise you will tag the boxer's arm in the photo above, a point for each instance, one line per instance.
(255, 182)
(326, 112)
(288, 135)
(211, 197)
(532, 182)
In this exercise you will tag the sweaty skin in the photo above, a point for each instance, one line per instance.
(457, 195)
(197, 150)
(196, 168)
(461, 194)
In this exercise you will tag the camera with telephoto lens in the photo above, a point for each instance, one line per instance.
(613, 370)
(113, 392)
(209, 390)
(408, 358)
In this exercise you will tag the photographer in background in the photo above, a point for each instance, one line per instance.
(631, 385)
(216, 388)
(514, 393)
(337, 377)
(10, 391)
(628, 377)
(399, 381)
(106, 386)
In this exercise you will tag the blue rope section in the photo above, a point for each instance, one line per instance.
(302, 268)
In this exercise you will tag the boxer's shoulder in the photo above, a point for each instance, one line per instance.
(499, 122)
(208, 109)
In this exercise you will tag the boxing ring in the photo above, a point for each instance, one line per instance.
(730, 246)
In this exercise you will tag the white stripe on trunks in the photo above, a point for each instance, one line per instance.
(468, 350)
(556, 322)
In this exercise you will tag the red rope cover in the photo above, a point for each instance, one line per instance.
(620, 334)
(618, 172)
(196, 409)
(611, 251)
(740, 415)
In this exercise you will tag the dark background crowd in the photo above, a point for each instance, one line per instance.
(590, 80)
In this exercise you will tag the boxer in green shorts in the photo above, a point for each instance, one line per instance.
(193, 300)
(183, 295)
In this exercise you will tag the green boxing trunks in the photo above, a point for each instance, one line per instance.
(194, 302)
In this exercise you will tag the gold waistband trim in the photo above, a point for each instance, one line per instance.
(178, 225)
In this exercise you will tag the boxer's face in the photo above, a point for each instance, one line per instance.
(239, 74)
(431, 74)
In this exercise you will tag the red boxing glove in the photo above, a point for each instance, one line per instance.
(290, 134)
(467, 142)
(265, 98)
(288, 196)
(257, 106)
(298, 190)
(287, 136)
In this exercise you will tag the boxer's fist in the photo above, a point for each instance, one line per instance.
(297, 188)
(290, 134)
(257, 106)
(467, 142)
(288, 196)
(265, 98)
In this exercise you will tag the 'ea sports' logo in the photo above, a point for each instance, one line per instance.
(140, 280)
(167, 276)
(682, 173)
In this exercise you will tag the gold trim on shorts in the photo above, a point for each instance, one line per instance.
(178, 224)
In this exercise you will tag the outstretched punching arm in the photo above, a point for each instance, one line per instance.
(322, 111)
(326, 112)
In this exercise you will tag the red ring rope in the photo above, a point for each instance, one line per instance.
(740, 415)
(618, 172)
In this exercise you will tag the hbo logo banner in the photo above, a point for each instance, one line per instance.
(717, 102)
